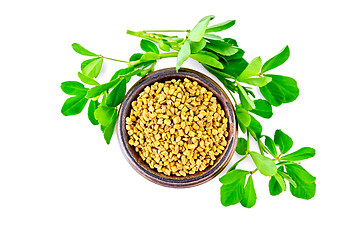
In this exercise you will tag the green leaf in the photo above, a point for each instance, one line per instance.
(246, 102)
(243, 117)
(92, 69)
(265, 165)
(87, 80)
(135, 57)
(277, 60)
(149, 56)
(271, 146)
(212, 37)
(301, 154)
(233, 187)
(262, 108)
(231, 41)
(96, 91)
(220, 26)
(74, 105)
(286, 176)
(251, 70)
(255, 128)
(280, 90)
(92, 107)
(233, 176)
(249, 92)
(232, 193)
(230, 85)
(163, 46)
(305, 182)
(222, 48)
(197, 46)
(206, 59)
(102, 128)
(237, 56)
(256, 81)
(211, 54)
(198, 31)
(144, 72)
(73, 88)
(183, 54)
(241, 146)
(219, 73)
(148, 46)
(274, 187)
(134, 73)
(81, 50)
(86, 62)
(122, 72)
(280, 180)
(283, 141)
(235, 67)
(249, 198)
(117, 95)
(109, 130)
(104, 115)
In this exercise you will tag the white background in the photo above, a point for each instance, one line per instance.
(59, 180)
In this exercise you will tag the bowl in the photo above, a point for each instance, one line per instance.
(141, 166)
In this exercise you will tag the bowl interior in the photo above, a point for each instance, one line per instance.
(141, 166)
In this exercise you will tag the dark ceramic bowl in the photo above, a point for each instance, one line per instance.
(141, 166)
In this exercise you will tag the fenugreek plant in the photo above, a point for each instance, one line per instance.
(224, 59)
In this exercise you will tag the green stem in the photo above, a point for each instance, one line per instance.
(232, 96)
(168, 55)
(235, 164)
(113, 59)
(166, 31)
(254, 171)
(142, 35)
(247, 142)
(161, 55)
(260, 147)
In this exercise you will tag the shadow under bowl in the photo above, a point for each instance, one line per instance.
(141, 166)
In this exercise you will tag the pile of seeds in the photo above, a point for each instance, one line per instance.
(177, 127)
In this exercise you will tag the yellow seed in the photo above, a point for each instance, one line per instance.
(177, 120)
(198, 133)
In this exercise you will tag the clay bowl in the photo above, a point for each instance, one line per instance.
(141, 166)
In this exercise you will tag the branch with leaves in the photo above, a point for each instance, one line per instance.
(223, 58)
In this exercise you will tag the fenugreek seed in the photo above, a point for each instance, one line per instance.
(167, 121)
(192, 146)
(177, 120)
(174, 150)
(192, 134)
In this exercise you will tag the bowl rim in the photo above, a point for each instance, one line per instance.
(151, 174)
